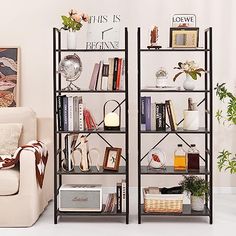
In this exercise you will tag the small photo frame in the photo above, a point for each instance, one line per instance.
(184, 37)
(112, 158)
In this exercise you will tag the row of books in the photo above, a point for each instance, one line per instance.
(108, 76)
(153, 115)
(117, 201)
(72, 115)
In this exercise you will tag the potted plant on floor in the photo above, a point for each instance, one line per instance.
(196, 187)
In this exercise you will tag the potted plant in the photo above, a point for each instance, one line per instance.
(196, 187)
(73, 23)
(226, 160)
(191, 70)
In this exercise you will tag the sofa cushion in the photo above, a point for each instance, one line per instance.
(9, 137)
(9, 181)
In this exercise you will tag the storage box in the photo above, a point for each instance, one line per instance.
(162, 202)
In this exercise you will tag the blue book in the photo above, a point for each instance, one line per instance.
(148, 113)
(143, 121)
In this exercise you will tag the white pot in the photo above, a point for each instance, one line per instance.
(191, 120)
(71, 39)
(197, 203)
(189, 83)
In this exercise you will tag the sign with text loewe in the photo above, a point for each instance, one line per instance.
(184, 20)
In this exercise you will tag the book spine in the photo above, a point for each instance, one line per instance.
(160, 125)
(122, 79)
(172, 111)
(143, 120)
(94, 77)
(111, 69)
(118, 74)
(99, 77)
(65, 113)
(123, 204)
(105, 74)
(148, 113)
(76, 113)
(164, 116)
(118, 197)
(153, 116)
(169, 115)
(81, 114)
(70, 113)
(59, 112)
(115, 73)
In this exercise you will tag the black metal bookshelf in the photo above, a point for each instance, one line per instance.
(206, 132)
(59, 135)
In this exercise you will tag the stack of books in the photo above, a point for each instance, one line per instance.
(153, 115)
(108, 76)
(72, 116)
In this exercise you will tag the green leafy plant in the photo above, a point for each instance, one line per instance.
(194, 185)
(226, 160)
(73, 21)
(226, 97)
(190, 68)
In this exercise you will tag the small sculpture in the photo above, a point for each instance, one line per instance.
(154, 38)
(85, 161)
(161, 78)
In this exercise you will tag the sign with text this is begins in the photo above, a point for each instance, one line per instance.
(184, 20)
(103, 32)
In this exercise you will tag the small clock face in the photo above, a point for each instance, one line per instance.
(103, 32)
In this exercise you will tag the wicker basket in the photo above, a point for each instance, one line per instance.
(162, 202)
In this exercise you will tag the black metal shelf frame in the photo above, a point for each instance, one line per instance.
(58, 135)
(207, 170)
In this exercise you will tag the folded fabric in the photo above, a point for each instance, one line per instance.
(41, 156)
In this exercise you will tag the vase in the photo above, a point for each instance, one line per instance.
(191, 120)
(197, 203)
(71, 39)
(189, 83)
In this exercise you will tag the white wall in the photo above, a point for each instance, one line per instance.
(28, 24)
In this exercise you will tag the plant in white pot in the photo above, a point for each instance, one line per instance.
(191, 70)
(196, 187)
(73, 23)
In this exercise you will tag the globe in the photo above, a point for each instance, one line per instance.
(70, 67)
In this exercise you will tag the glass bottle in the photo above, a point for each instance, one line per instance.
(193, 158)
(180, 162)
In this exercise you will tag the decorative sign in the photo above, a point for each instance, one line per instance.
(184, 20)
(103, 32)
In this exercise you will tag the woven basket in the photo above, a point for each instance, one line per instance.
(162, 202)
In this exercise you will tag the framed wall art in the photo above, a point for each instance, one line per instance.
(184, 37)
(112, 159)
(9, 77)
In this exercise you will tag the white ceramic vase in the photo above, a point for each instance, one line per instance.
(191, 120)
(189, 83)
(197, 203)
(71, 39)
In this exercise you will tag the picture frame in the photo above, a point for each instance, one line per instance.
(184, 37)
(112, 158)
(9, 76)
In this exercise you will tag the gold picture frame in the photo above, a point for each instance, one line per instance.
(184, 37)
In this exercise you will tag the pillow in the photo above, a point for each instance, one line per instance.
(9, 137)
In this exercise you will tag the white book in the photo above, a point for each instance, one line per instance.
(81, 114)
(99, 80)
(153, 116)
(122, 75)
(123, 190)
(104, 83)
(70, 113)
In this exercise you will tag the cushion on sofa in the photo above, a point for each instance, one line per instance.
(9, 181)
(9, 137)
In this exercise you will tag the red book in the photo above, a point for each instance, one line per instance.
(118, 74)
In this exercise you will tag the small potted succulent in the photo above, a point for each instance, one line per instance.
(161, 78)
(196, 187)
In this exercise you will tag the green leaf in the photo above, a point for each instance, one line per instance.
(193, 75)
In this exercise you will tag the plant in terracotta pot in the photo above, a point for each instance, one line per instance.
(191, 70)
(226, 159)
(196, 187)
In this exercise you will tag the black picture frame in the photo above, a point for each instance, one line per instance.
(184, 37)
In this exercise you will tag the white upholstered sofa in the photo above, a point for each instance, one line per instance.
(21, 199)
